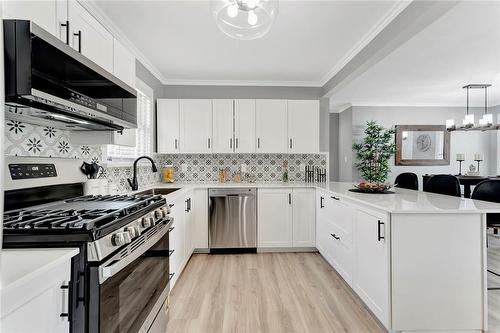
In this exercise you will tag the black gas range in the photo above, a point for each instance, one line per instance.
(120, 279)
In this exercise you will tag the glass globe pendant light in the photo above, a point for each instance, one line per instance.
(244, 19)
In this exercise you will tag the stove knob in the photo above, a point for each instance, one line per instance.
(146, 222)
(158, 213)
(127, 237)
(118, 239)
(134, 231)
(165, 211)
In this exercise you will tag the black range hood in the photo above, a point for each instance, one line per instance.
(49, 83)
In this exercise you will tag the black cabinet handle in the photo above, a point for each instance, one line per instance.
(335, 236)
(236, 143)
(66, 25)
(175, 143)
(170, 276)
(291, 143)
(79, 34)
(208, 143)
(189, 204)
(380, 237)
(230, 143)
(321, 205)
(289, 198)
(171, 205)
(170, 229)
(335, 198)
(258, 143)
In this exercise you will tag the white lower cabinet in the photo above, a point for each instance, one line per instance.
(286, 218)
(42, 306)
(354, 240)
(274, 218)
(304, 217)
(371, 263)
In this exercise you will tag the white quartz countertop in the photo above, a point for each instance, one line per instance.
(403, 201)
(21, 265)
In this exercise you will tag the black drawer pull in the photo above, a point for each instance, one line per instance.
(335, 236)
(321, 205)
(170, 229)
(335, 198)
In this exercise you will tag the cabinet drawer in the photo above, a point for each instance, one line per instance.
(340, 252)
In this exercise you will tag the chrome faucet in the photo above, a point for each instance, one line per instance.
(133, 183)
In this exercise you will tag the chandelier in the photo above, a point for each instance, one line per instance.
(244, 19)
(468, 123)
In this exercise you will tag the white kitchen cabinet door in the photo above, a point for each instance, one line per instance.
(49, 14)
(177, 239)
(244, 125)
(89, 37)
(200, 218)
(304, 217)
(195, 125)
(123, 63)
(322, 224)
(303, 126)
(40, 305)
(274, 218)
(371, 263)
(223, 120)
(271, 125)
(167, 126)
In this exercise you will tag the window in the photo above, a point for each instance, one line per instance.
(116, 154)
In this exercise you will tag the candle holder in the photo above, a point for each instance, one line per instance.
(478, 161)
(460, 167)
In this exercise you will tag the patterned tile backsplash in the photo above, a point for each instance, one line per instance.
(23, 139)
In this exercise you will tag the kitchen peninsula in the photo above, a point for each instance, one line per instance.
(387, 247)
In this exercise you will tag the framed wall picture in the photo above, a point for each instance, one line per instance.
(422, 145)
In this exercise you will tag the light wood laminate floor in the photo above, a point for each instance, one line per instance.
(271, 292)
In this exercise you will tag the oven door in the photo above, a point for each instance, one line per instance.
(134, 283)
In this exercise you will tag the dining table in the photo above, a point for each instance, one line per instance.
(466, 181)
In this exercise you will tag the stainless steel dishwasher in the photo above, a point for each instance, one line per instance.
(232, 220)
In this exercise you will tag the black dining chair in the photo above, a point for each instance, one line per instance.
(407, 180)
(443, 184)
(489, 190)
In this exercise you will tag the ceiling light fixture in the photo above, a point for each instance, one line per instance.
(485, 123)
(244, 19)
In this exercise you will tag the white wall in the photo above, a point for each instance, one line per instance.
(461, 142)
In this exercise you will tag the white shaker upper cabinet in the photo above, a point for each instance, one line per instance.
(196, 126)
(123, 63)
(303, 126)
(244, 125)
(89, 37)
(271, 125)
(167, 125)
(223, 118)
(49, 15)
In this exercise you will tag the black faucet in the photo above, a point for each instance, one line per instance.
(133, 183)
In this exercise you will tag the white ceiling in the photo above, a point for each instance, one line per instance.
(308, 43)
(461, 47)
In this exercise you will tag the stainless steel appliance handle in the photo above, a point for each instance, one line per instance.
(117, 263)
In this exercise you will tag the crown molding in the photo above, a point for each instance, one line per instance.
(104, 19)
(340, 108)
(174, 82)
(395, 10)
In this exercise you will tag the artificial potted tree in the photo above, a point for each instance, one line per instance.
(373, 154)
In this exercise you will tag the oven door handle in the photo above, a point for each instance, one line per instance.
(130, 253)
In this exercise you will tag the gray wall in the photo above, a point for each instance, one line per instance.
(334, 146)
(352, 123)
(171, 91)
(345, 156)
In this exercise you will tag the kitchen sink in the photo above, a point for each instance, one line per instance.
(161, 191)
